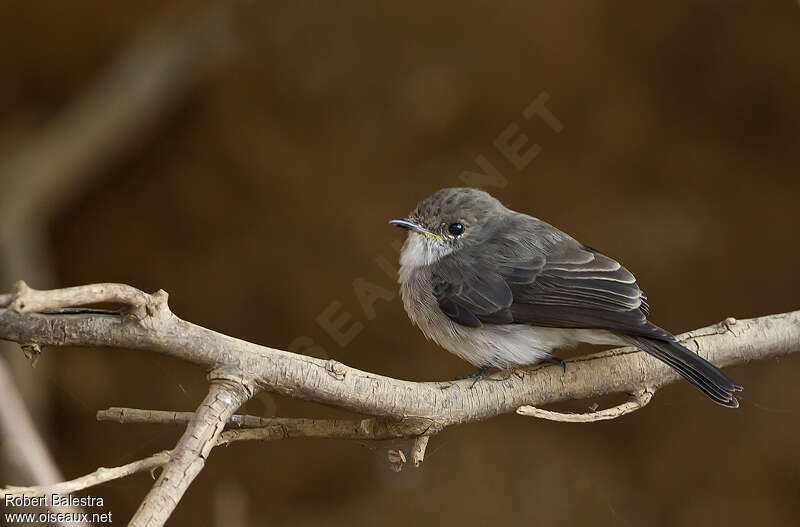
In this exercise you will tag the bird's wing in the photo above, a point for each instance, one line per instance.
(544, 280)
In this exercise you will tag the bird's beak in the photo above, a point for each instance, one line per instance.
(406, 223)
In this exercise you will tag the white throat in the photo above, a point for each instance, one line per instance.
(420, 250)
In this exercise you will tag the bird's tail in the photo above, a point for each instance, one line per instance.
(711, 380)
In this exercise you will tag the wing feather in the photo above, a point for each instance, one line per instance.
(562, 284)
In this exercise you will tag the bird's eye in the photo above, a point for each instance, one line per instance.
(456, 229)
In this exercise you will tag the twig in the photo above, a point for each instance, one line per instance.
(98, 477)
(265, 429)
(27, 300)
(418, 449)
(253, 428)
(640, 400)
(135, 416)
(397, 460)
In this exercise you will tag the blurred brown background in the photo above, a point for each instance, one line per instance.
(258, 189)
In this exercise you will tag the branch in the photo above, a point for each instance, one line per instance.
(253, 428)
(446, 403)
(25, 299)
(226, 394)
(164, 417)
(418, 449)
(421, 409)
(246, 428)
(637, 402)
(98, 477)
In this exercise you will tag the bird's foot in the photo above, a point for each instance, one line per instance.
(480, 373)
(477, 375)
(556, 360)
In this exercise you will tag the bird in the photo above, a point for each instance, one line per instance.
(502, 289)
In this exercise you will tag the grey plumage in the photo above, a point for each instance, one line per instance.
(504, 289)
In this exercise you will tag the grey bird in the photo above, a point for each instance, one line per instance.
(503, 289)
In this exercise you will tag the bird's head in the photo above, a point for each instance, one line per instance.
(447, 221)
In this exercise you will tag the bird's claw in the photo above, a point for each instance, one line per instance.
(556, 360)
(477, 375)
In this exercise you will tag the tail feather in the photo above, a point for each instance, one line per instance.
(711, 380)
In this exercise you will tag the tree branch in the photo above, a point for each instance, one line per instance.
(446, 403)
(637, 402)
(26, 299)
(226, 394)
(422, 409)
(253, 428)
(238, 428)
(98, 477)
